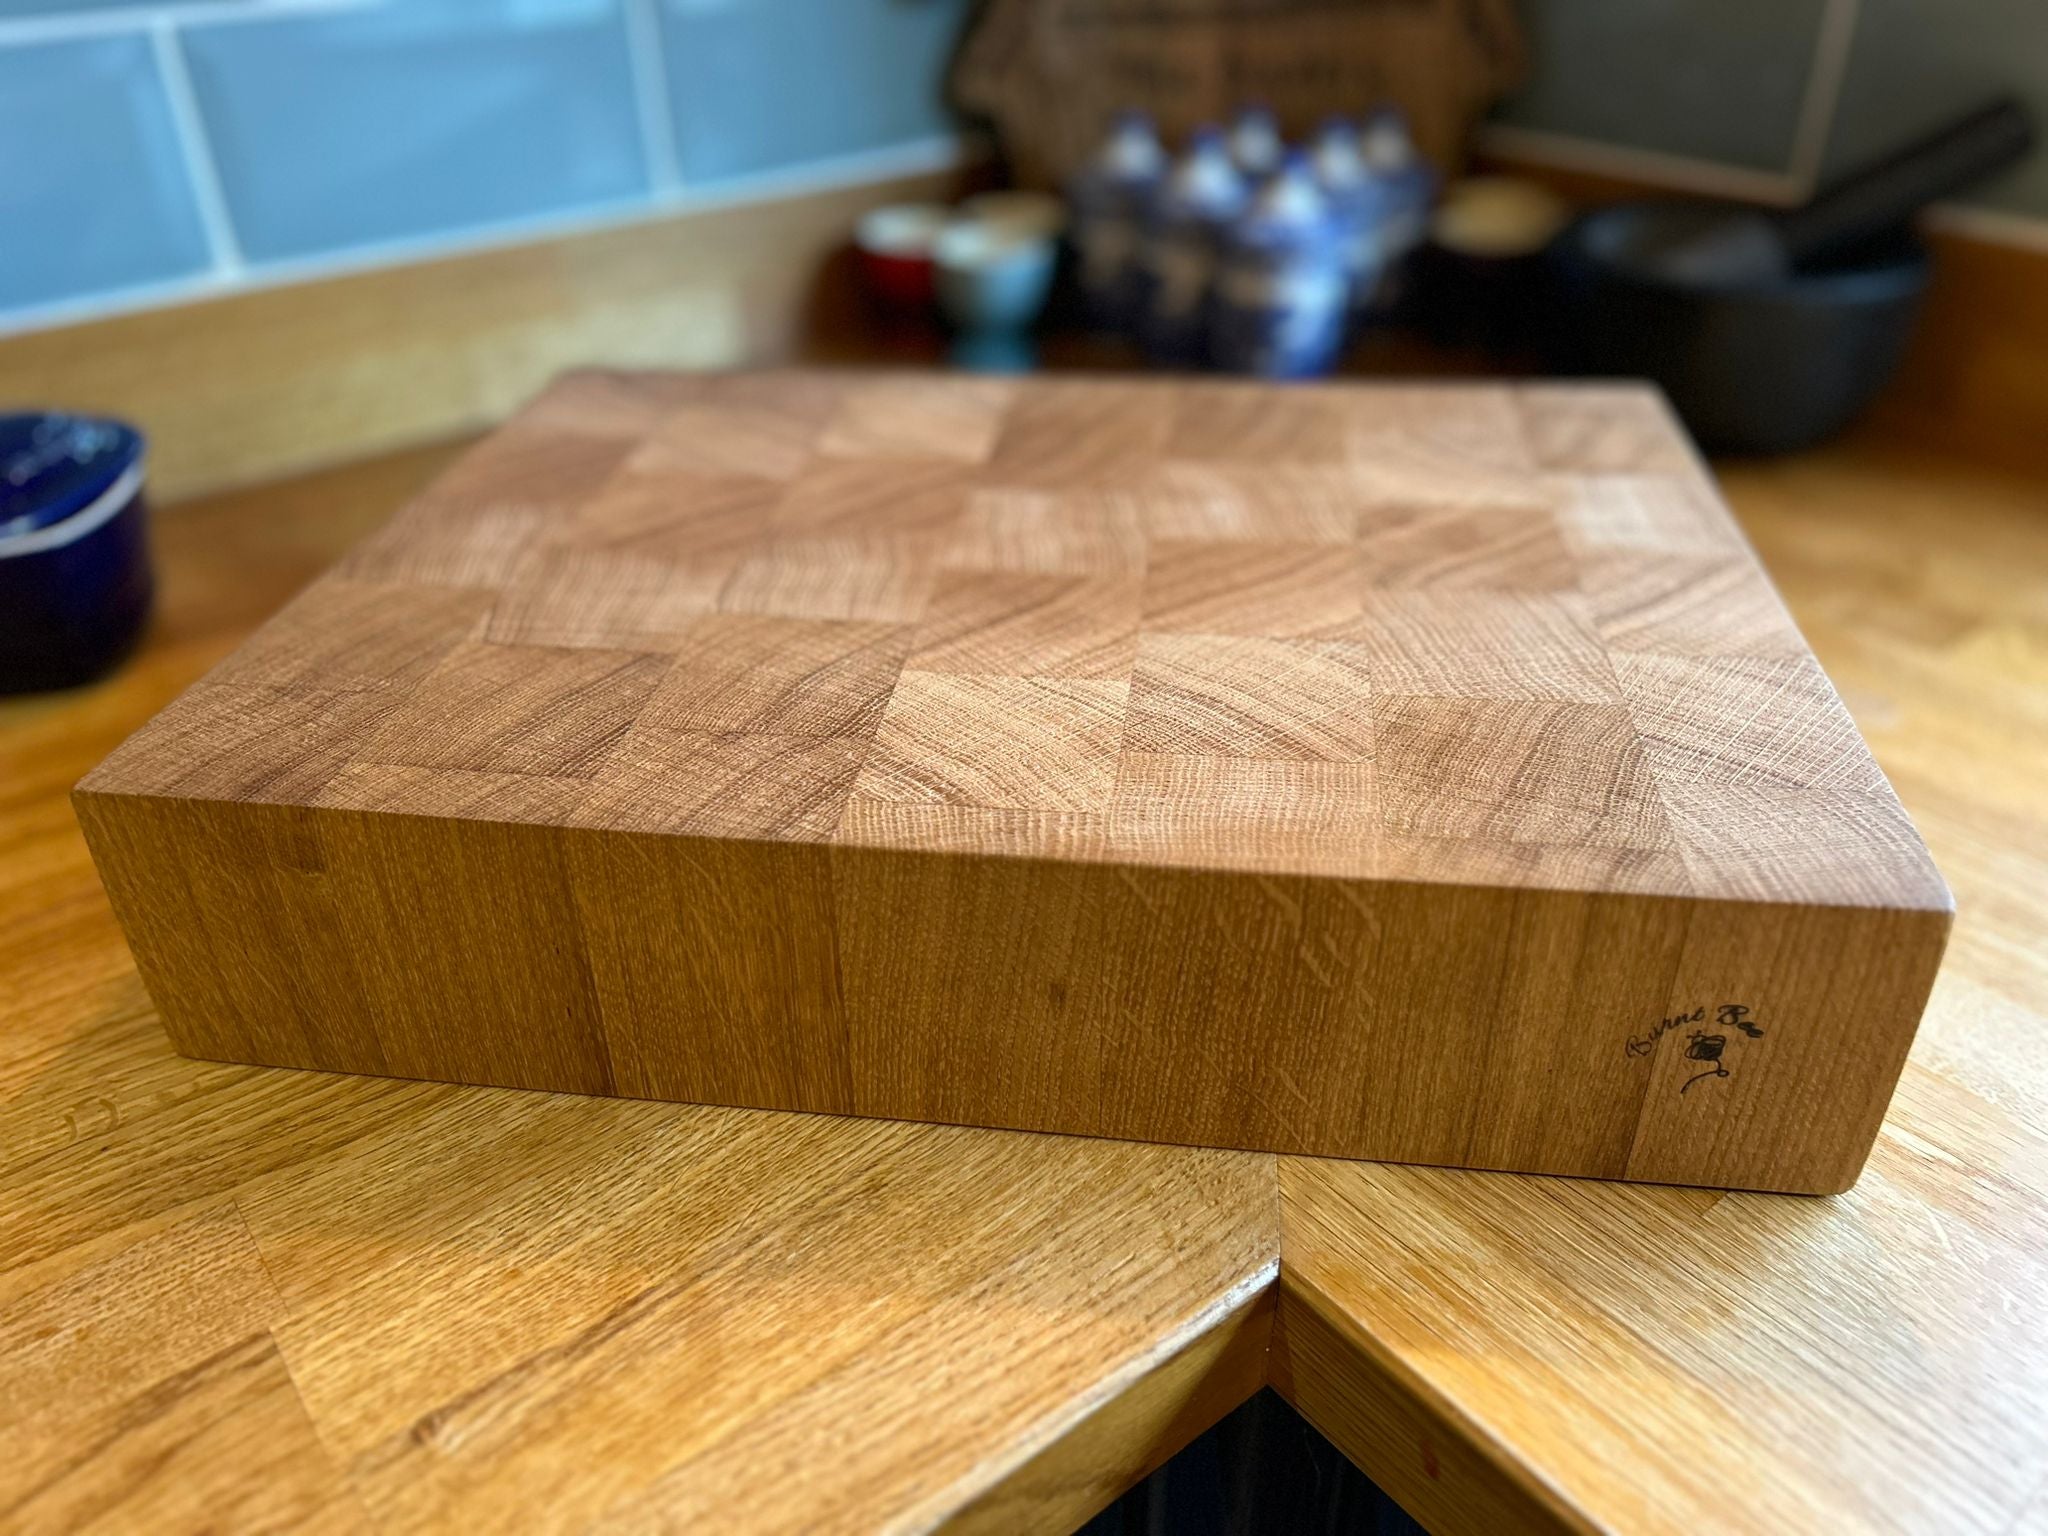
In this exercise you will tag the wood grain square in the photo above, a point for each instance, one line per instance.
(676, 516)
(239, 742)
(734, 439)
(1246, 813)
(600, 402)
(1655, 514)
(1768, 842)
(1046, 744)
(518, 709)
(1515, 771)
(1430, 446)
(809, 397)
(1745, 721)
(1484, 645)
(1698, 605)
(1401, 473)
(1258, 424)
(779, 677)
(566, 595)
(972, 829)
(350, 635)
(455, 546)
(537, 468)
(871, 497)
(408, 790)
(1004, 622)
(882, 578)
(1067, 434)
(1474, 426)
(1508, 548)
(954, 419)
(1603, 428)
(1051, 533)
(708, 784)
(1242, 697)
(1268, 503)
(1243, 588)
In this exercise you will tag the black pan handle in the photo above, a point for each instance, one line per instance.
(1888, 192)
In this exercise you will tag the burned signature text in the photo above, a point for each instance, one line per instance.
(1705, 1049)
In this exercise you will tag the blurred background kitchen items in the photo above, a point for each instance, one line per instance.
(994, 275)
(1048, 78)
(75, 584)
(1184, 228)
(896, 245)
(1741, 247)
(1481, 281)
(283, 236)
(1769, 330)
(1246, 254)
(1282, 280)
(1108, 199)
(1034, 213)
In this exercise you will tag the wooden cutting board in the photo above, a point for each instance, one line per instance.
(1423, 773)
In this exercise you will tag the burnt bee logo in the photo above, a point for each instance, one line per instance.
(1704, 1048)
(1701, 1046)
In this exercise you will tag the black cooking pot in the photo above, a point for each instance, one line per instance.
(1759, 365)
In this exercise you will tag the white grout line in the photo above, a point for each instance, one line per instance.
(193, 147)
(843, 172)
(1569, 152)
(650, 94)
(64, 26)
(1823, 93)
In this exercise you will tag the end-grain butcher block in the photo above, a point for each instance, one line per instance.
(1425, 773)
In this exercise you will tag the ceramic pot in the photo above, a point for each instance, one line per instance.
(895, 248)
(994, 276)
(75, 584)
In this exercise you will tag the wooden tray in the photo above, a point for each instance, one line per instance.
(1421, 773)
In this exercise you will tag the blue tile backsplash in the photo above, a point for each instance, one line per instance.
(93, 192)
(759, 84)
(157, 146)
(337, 126)
(350, 127)
(12, 8)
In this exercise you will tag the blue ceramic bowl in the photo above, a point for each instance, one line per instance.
(75, 586)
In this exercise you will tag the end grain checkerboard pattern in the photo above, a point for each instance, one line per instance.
(1367, 770)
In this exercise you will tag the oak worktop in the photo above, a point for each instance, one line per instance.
(242, 1296)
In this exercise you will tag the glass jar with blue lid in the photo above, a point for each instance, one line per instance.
(75, 585)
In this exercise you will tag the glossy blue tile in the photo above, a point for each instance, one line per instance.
(13, 8)
(756, 85)
(93, 194)
(1719, 80)
(344, 128)
(1916, 64)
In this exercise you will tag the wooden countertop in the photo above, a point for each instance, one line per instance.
(237, 1296)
